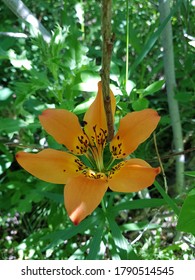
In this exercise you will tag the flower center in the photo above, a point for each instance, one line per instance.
(94, 175)
(95, 146)
(82, 168)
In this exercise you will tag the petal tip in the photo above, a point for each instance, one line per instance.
(75, 222)
(99, 84)
(44, 113)
(158, 170)
(75, 219)
(18, 155)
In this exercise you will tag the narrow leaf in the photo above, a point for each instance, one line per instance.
(124, 248)
(152, 40)
(167, 198)
(94, 246)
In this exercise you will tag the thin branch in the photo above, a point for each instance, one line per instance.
(106, 59)
(160, 162)
(21, 11)
(176, 154)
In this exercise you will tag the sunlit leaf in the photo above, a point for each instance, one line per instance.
(186, 221)
(154, 87)
(5, 93)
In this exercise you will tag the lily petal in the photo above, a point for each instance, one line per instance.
(95, 117)
(134, 129)
(132, 175)
(50, 165)
(65, 129)
(82, 195)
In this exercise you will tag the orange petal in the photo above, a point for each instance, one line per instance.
(134, 129)
(82, 195)
(132, 175)
(65, 128)
(96, 116)
(50, 165)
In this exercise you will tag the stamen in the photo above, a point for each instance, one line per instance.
(92, 174)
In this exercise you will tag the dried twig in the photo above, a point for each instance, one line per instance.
(106, 59)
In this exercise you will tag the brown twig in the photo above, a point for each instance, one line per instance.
(107, 43)
(160, 162)
(171, 155)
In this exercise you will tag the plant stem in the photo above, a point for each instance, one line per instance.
(21, 11)
(107, 43)
(168, 56)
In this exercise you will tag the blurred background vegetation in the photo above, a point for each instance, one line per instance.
(35, 75)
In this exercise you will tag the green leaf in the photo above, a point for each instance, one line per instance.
(186, 221)
(124, 248)
(59, 236)
(184, 97)
(138, 204)
(81, 108)
(94, 246)
(154, 37)
(138, 226)
(3, 54)
(11, 125)
(54, 196)
(190, 173)
(167, 198)
(140, 104)
(6, 158)
(154, 87)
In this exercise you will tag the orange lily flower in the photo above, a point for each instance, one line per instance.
(85, 185)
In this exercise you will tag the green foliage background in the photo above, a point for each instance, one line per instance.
(35, 75)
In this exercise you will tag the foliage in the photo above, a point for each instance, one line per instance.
(64, 74)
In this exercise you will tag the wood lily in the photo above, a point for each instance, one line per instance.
(86, 184)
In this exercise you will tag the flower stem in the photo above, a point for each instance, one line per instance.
(106, 59)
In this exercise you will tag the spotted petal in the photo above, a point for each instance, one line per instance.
(65, 129)
(50, 165)
(132, 175)
(134, 129)
(82, 195)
